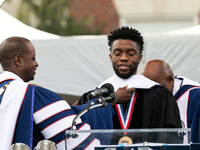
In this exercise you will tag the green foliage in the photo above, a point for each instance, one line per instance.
(52, 16)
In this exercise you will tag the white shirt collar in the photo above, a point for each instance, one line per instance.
(9, 75)
(135, 81)
(177, 85)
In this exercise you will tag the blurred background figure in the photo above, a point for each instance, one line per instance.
(185, 91)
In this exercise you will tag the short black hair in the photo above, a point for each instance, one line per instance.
(11, 47)
(126, 33)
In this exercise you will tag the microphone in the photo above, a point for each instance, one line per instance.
(103, 91)
(111, 98)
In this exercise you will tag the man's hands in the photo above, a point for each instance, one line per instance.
(124, 95)
(76, 103)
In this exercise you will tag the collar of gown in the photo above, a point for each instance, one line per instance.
(9, 75)
(135, 81)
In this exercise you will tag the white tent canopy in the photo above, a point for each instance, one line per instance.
(72, 65)
(181, 52)
(10, 26)
(195, 30)
(180, 48)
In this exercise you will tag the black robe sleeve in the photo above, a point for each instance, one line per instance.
(160, 109)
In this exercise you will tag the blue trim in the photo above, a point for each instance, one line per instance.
(31, 117)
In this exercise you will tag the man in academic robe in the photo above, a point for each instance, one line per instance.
(185, 91)
(144, 103)
(30, 113)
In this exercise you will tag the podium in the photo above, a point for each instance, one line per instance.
(142, 139)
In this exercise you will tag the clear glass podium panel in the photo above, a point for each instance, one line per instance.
(112, 139)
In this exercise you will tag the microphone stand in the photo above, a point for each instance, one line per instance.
(73, 127)
(73, 133)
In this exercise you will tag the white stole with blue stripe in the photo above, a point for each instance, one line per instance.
(9, 109)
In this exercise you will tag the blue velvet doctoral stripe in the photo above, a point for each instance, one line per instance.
(31, 115)
(195, 126)
(194, 115)
(24, 126)
(193, 112)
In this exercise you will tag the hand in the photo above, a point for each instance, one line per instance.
(124, 94)
(76, 103)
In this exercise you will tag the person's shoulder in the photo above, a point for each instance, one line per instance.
(155, 88)
(156, 91)
(18, 83)
(160, 90)
(194, 90)
(44, 91)
(191, 88)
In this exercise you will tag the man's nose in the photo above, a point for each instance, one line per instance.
(36, 64)
(124, 57)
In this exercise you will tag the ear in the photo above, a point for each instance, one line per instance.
(170, 80)
(140, 58)
(110, 57)
(18, 60)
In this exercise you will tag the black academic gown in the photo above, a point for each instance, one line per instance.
(154, 108)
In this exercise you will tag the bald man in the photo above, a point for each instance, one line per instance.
(185, 91)
(29, 113)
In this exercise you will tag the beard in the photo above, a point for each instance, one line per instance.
(128, 75)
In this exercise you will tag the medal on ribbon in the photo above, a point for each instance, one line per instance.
(125, 140)
(125, 118)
